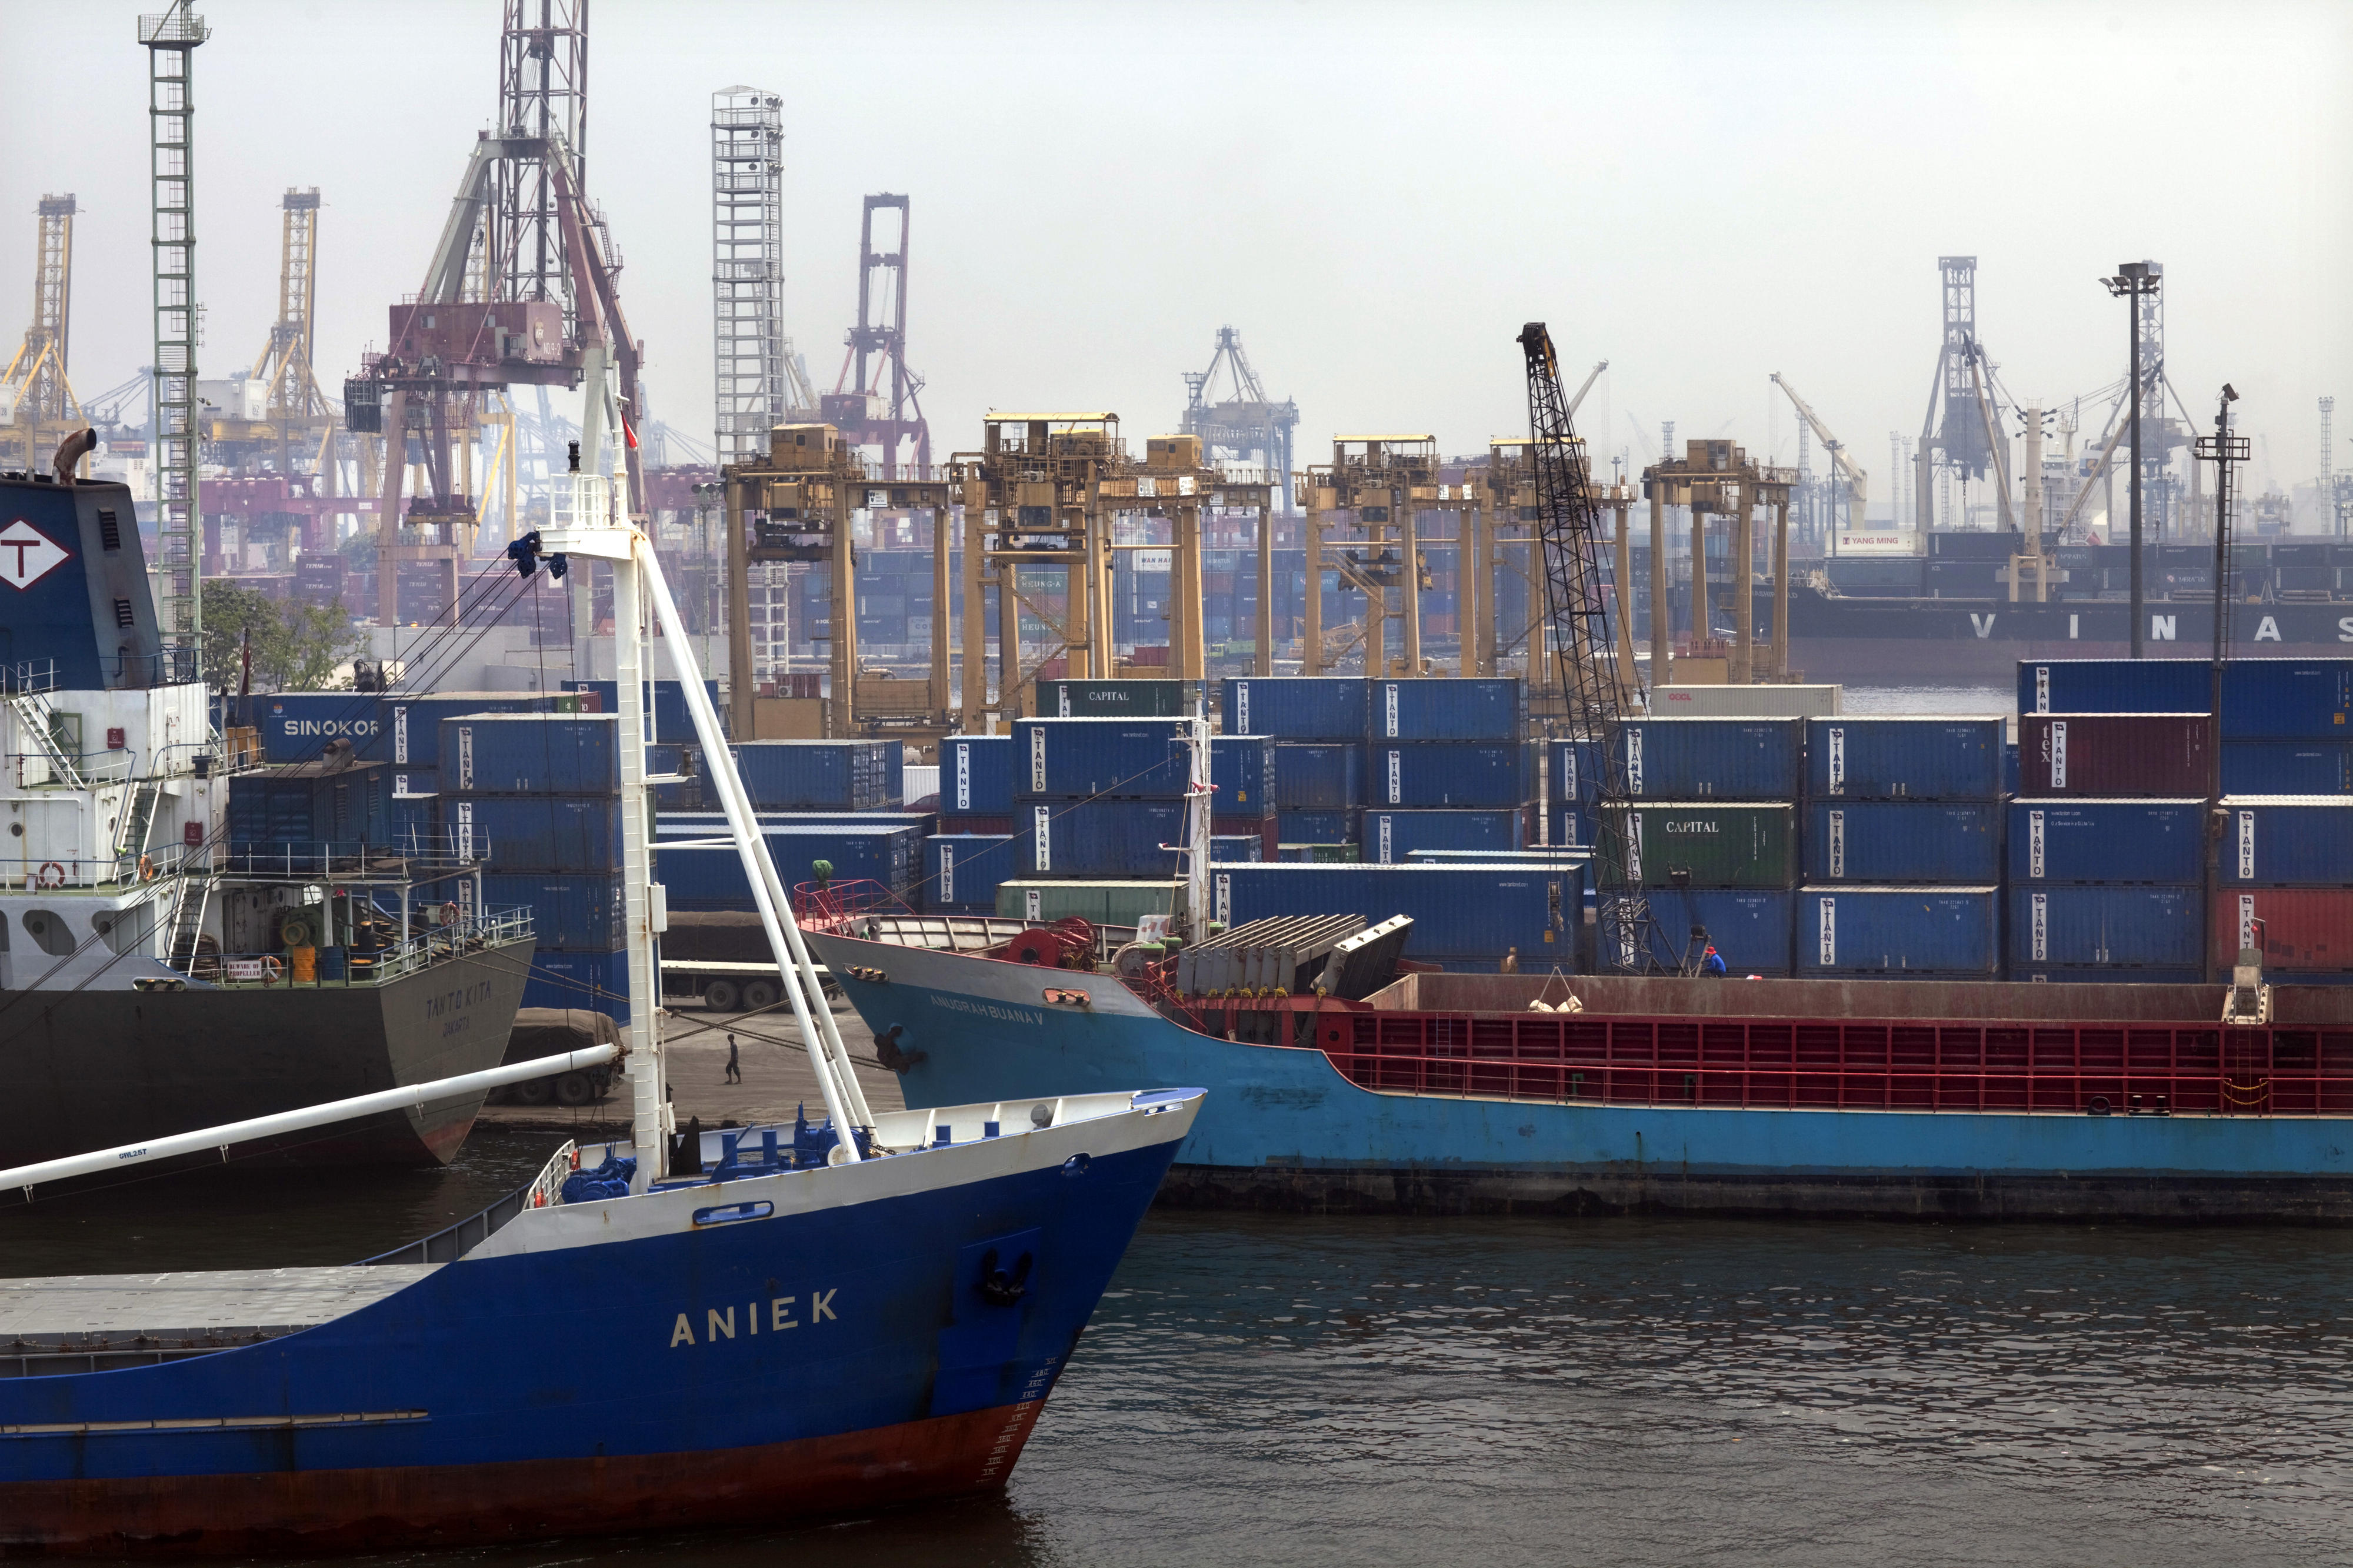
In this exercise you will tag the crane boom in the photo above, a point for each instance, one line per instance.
(1578, 658)
(1857, 482)
(1592, 376)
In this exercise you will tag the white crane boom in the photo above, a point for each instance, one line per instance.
(1592, 376)
(1857, 482)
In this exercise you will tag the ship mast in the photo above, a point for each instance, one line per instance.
(589, 524)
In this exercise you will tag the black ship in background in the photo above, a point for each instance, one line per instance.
(187, 940)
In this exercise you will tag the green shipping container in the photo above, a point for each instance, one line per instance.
(1117, 699)
(1709, 843)
(1104, 903)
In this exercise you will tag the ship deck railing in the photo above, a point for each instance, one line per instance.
(453, 1242)
(355, 860)
(868, 909)
(370, 967)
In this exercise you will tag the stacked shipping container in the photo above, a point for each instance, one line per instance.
(536, 799)
(1447, 767)
(1711, 829)
(1903, 847)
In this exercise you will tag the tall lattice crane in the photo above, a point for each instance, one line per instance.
(1581, 666)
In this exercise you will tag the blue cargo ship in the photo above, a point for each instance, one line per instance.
(777, 1338)
(1452, 1092)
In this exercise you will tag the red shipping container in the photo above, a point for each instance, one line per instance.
(2306, 931)
(2159, 755)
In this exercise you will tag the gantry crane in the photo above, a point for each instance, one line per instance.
(1581, 665)
(38, 406)
(284, 416)
(1858, 486)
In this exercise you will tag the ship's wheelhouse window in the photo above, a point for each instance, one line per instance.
(45, 927)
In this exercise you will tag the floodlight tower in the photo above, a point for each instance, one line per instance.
(172, 39)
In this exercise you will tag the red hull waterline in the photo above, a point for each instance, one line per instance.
(381, 1510)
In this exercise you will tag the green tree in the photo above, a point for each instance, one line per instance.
(296, 647)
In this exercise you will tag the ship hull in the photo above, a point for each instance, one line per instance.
(1284, 1129)
(774, 1349)
(1966, 641)
(92, 1069)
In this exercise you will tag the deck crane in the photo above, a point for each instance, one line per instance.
(1857, 482)
(1582, 666)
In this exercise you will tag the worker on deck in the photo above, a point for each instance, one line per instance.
(1511, 965)
(1710, 963)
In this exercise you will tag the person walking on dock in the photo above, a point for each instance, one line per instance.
(735, 1061)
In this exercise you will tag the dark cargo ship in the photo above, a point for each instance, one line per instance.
(182, 944)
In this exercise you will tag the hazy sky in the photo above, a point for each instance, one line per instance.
(1376, 196)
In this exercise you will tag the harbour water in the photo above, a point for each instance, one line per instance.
(1299, 1391)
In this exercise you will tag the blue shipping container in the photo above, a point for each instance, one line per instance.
(1237, 849)
(2126, 926)
(2287, 767)
(976, 775)
(961, 871)
(1712, 759)
(1312, 776)
(1393, 836)
(1448, 709)
(1113, 759)
(1297, 707)
(673, 720)
(532, 754)
(1905, 759)
(1445, 773)
(1103, 838)
(810, 776)
(2102, 841)
(296, 726)
(713, 879)
(1241, 768)
(1957, 843)
(408, 729)
(2287, 700)
(536, 832)
(2286, 841)
(1571, 827)
(1750, 930)
(2114, 685)
(598, 981)
(1338, 826)
(1898, 931)
(1469, 912)
(581, 911)
(303, 804)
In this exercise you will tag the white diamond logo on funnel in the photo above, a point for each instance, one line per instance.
(27, 554)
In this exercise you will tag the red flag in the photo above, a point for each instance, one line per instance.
(628, 432)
